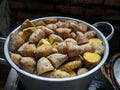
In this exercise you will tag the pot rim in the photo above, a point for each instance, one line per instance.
(105, 55)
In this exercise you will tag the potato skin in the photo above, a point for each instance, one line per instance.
(43, 50)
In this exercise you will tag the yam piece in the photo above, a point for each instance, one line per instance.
(55, 38)
(56, 74)
(57, 59)
(72, 73)
(52, 26)
(82, 71)
(15, 42)
(36, 36)
(81, 38)
(70, 66)
(27, 23)
(91, 59)
(74, 50)
(27, 50)
(82, 27)
(62, 48)
(90, 34)
(63, 32)
(70, 40)
(86, 47)
(46, 30)
(50, 20)
(15, 57)
(43, 41)
(28, 64)
(43, 50)
(98, 48)
(40, 23)
(95, 40)
(44, 65)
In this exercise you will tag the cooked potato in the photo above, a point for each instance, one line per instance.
(28, 64)
(70, 66)
(15, 42)
(95, 40)
(81, 38)
(27, 49)
(63, 32)
(62, 48)
(43, 41)
(15, 57)
(57, 59)
(70, 40)
(55, 38)
(46, 30)
(44, 65)
(91, 59)
(52, 26)
(90, 34)
(72, 73)
(43, 50)
(36, 36)
(98, 48)
(27, 23)
(50, 20)
(82, 71)
(72, 35)
(56, 74)
(40, 23)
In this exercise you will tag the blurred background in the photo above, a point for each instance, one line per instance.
(89, 10)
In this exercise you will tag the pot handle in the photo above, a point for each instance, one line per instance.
(105, 25)
(2, 59)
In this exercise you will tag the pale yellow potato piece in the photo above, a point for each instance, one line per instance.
(72, 73)
(90, 34)
(95, 40)
(82, 71)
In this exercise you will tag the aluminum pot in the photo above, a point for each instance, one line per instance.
(80, 82)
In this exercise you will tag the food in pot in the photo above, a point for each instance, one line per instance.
(55, 47)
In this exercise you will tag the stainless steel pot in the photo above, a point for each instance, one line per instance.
(80, 82)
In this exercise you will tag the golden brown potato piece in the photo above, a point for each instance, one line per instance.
(70, 66)
(15, 42)
(28, 64)
(81, 38)
(15, 57)
(82, 71)
(74, 50)
(86, 47)
(44, 65)
(62, 48)
(46, 30)
(55, 38)
(50, 20)
(36, 36)
(90, 34)
(27, 49)
(95, 40)
(60, 24)
(91, 59)
(98, 48)
(43, 50)
(57, 59)
(27, 23)
(56, 74)
(63, 32)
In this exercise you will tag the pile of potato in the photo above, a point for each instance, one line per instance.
(55, 47)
